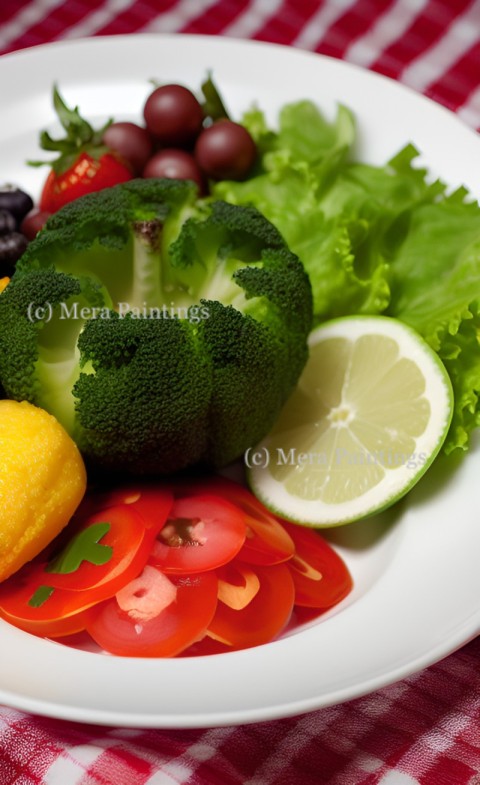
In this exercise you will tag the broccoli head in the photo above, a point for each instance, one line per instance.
(162, 330)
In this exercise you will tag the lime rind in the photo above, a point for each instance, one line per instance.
(384, 484)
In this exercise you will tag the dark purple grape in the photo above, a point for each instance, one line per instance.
(16, 201)
(12, 247)
(131, 142)
(225, 151)
(7, 222)
(176, 165)
(173, 115)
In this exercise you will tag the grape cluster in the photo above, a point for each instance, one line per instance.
(181, 140)
(15, 205)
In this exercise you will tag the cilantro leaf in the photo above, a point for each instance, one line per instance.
(83, 547)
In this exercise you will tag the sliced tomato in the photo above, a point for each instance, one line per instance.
(134, 519)
(266, 542)
(263, 618)
(90, 562)
(204, 647)
(320, 575)
(106, 551)
(50, 628)
(202, 532)
(34, 606)
(152, 501)
(161, 615)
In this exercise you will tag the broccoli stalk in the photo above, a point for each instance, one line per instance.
(166, 330)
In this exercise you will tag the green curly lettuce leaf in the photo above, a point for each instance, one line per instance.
(435, 281)
(374, 239)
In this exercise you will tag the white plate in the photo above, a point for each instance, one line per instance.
(417, 582)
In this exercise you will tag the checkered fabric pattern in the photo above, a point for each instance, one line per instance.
(421, 731)
(431, 45)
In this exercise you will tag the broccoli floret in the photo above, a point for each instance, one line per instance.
(39, 361)
(143, 403)
(161, 329)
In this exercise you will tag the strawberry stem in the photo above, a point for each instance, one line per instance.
(80, 137)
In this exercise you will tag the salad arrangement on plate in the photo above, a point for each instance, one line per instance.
(163, 320)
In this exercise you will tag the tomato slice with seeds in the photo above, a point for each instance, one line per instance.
(158, 619)
(263, 618)
(266, 542)
(320, 575)
(202, 532)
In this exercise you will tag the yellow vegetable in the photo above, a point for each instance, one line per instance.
(42, 481)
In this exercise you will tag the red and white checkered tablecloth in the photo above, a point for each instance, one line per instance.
(424, 730)
(431, 45)
(421, 731)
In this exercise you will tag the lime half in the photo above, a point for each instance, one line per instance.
(369, 415)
